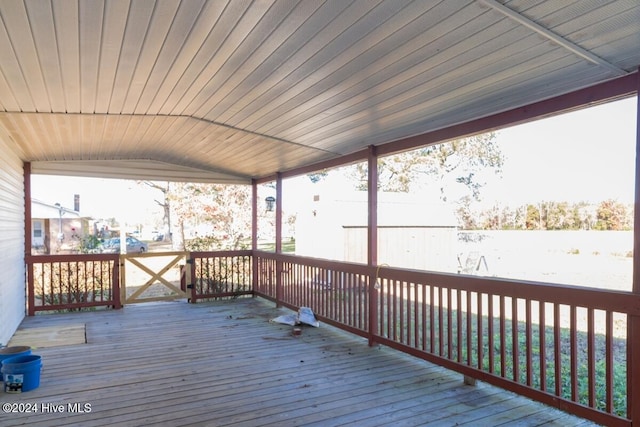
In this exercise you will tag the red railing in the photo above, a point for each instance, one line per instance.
(565, 346)
(220, 274)
(64, 282)
(337, 292)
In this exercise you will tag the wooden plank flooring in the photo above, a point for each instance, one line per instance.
(49, 336)
(225, 364)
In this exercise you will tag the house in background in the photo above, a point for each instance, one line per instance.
(55, 228)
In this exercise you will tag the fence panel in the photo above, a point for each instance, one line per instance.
(221, 274)
(72, 282)
(149, 277)
(563, 345)
(336, 292)
(566, 346)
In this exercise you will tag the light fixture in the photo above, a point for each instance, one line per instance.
(271, 201)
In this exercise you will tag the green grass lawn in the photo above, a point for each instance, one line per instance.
(288, 246)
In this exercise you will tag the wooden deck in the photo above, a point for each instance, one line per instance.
(225, 364)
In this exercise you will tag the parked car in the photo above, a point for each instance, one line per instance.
(112, 246)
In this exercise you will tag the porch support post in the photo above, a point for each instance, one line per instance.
(372, 240)
(633, 330)
(27, 239)
(279, 213)
(278, 238)
(254, 234)
(117, 295)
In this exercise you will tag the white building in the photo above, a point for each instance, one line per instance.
(411, 234)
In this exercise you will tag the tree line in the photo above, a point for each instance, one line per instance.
(549, 215)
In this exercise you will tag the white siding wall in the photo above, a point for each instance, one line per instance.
(12, 270)
(418, 248)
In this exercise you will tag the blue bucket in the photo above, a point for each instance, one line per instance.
(8, 352)
(21, 373)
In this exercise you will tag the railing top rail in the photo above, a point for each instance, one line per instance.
(596, 298)
(347, 267)
(208, 254)
(71, 258)
(154, 254)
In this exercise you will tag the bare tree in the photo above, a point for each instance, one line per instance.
(459, 162)
(165, 203)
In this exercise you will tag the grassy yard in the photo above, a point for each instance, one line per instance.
(288, 246)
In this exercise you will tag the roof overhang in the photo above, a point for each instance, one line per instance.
(145, 170)
(234, 91)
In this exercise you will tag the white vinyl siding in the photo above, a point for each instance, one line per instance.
(12, 267)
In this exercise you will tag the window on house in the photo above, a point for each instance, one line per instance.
(37, 229)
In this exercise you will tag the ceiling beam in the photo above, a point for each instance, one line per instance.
(601, 93)
(555, 38)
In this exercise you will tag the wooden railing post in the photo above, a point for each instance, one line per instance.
(255, 269)
(186, 277)
(278, 239)
(633, 369)
(254, 235)
(31, 298)
(191, 278)
(633, 329)
(373, 306)
(372, 241)
(27, 239)
(122, 280)
(278, 283)
(117, 301)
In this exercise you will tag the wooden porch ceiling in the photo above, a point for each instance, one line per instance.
(223, 364)
(227, 91)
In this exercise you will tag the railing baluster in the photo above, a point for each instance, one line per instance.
(480, 331)
(574, 354)
(424, 317)
(490, 332)
(69, 283)
(449, 325)
(529, 344)
(395, 310)
(503, 364)
(609, 362)
(557, 349)
(459, 310)
(515, 339)
(543, 345)
(440, 323)
(591, 357)
(469, 315)
(401, 310)
(418, 319)
(303, 282)
(432, 330)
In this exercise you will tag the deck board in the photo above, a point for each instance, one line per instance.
(225, 364)
(49, 336)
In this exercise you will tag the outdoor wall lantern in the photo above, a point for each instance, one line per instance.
(271, 201)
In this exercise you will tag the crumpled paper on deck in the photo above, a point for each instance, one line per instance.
(303, 316)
